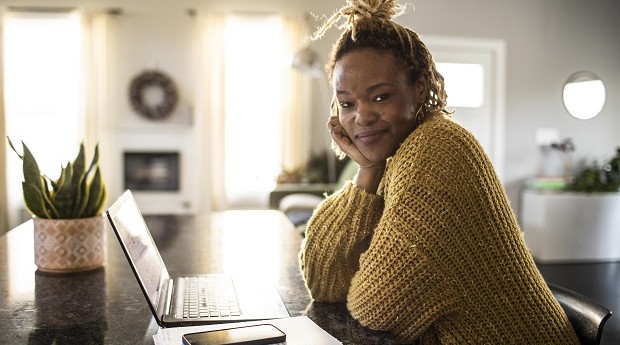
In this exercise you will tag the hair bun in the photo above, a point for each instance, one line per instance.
(355, 10)
(386, 9)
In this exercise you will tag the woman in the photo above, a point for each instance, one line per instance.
(423, 243)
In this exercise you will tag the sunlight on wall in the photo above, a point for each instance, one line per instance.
(42, 57)
(253, 107)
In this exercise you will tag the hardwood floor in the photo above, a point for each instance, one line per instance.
(598, 281)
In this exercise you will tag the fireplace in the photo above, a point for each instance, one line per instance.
(151, 171)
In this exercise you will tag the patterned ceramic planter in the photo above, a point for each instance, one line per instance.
(69, 245)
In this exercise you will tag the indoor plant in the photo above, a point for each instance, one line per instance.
(68, 227)
(596, 178)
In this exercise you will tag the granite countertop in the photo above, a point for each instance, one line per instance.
(106, 305)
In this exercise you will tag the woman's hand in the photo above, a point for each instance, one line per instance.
(344, 142)
(370, 172)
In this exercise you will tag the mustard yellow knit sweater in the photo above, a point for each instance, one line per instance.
(437, 255)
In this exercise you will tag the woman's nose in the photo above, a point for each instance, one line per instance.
(365, 116)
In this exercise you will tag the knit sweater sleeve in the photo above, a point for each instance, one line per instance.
(369, 254)
(337, 234)
(400, 287)
(387, 270)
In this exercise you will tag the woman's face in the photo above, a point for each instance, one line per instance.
(377, 103)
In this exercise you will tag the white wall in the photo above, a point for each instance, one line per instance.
(546, 40)
(166, 40)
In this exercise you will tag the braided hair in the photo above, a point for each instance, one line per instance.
(369, 24)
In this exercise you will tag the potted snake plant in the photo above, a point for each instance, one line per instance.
(69, 231)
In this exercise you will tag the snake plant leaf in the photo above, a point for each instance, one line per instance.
(83, 195)
(47, 199)
(78, 181)
(34, 200)
(96, 195)
(84, 191)
(34, 179)
(79, 165)
(56, 185)
(102, 199)
(77, 193)
(13, 148)
(32, 174)
(95, 160)
(64, 198)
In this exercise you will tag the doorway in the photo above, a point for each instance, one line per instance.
(474, 72)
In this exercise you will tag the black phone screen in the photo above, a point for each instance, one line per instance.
(249, 335)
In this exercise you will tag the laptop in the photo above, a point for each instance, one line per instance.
(168, 296)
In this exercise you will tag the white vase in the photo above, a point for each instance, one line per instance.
(69, 245)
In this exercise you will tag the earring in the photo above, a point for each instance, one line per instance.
(419, 115)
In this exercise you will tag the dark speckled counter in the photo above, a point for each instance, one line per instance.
(106, 306)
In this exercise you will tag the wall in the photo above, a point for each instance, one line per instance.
(165, 40)
(546, 42)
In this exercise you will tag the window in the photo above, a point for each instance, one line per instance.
(474, 72)
(254, 67)
(42, 59)
(464, 83)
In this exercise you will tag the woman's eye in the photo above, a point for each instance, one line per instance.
(345, 104)
(381, 97)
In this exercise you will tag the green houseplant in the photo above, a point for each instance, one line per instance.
(68, 226)
(596, 178)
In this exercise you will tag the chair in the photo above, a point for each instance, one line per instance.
(586, 316)
(298, 207)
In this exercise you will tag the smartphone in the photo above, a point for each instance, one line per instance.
(248, 335)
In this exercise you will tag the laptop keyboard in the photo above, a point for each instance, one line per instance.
(209, 296)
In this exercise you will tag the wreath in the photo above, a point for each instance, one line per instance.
(149, 79)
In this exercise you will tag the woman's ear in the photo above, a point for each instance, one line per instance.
(419, 88)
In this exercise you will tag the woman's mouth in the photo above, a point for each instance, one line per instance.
(369, 137)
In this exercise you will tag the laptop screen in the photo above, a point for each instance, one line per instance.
(139, 246)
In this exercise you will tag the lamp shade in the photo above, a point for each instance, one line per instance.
(307, 61)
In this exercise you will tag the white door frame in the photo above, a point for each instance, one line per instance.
(495, 83)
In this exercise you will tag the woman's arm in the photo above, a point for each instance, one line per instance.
(399, 287)
(337, 234)
(405, 283)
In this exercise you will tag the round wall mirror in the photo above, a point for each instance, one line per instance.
(584, 95)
